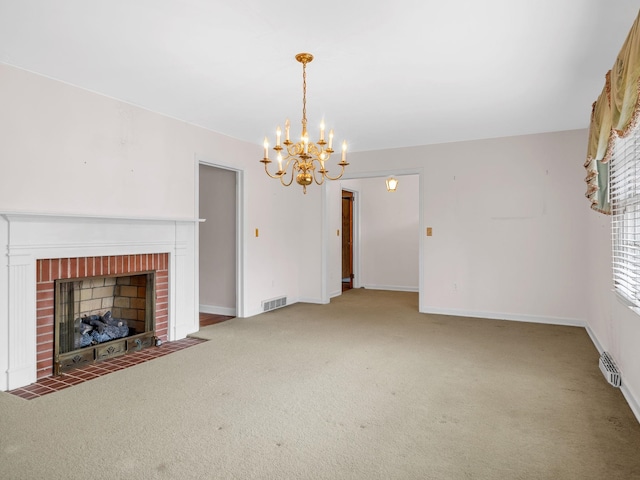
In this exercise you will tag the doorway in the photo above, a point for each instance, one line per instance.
(387, 240)
(217, 244)
(347, 240)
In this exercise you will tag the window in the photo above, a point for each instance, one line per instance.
(625, 210)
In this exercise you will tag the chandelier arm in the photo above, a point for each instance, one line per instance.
(339, 176)
(285, 169)
(290, 160)
(315, 179)
(266, 164)
(286, 184)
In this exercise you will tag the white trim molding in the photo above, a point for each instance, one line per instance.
(4, 302)
(215, 310)
(317, 301)
(628, 394)
(241, 309)
(22, 321)
(393, 288)
(570, 322)
(631, 399)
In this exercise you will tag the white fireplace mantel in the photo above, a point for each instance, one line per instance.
(25, 238)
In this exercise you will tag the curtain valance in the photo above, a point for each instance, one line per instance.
(613, 115)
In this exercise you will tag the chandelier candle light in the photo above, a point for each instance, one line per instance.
(304, 157)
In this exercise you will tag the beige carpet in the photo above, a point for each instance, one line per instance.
(363, 388)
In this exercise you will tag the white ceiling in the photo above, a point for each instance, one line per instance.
(385, 74)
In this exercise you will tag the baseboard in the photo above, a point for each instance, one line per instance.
(182, 332)
(19, 377)
(631, 400)
(337, 293)
(514, 317)
(215, 310)
(255, 312)
(629, 396)
(594, 339)
(312, 300)
(393, 288)
(252, 313)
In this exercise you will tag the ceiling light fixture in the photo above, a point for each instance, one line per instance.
(304, 157)
(392, 184)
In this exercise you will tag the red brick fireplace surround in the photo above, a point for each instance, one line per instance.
(49, 270)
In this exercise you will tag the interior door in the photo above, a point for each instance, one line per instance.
(347, 240)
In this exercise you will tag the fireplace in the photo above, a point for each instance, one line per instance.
(41, 248)
(95, 308)
(97, 318)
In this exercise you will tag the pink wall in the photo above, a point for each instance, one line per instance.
(119, 160)
(508, 219)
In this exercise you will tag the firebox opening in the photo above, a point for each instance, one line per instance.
(102, 317)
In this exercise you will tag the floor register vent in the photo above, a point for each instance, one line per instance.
(273, 303)
(609, 369)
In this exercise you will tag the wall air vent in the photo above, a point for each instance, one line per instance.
(273, 303)
(609, 369)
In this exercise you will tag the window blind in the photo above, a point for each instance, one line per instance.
(624, 191)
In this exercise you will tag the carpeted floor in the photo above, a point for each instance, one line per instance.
(363, 388)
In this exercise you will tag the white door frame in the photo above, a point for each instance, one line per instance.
(240, 228)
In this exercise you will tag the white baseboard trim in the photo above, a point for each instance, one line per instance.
(215, 310)
(19, 377)
(631, 400)
(182, 332)
(318, 301)
(594, 339)
(254, 312)
(393, 288)
(514, 317)
(337, 293)
(629, 396)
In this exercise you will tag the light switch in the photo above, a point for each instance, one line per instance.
(257, 232)
(429, 231)
(338, 233)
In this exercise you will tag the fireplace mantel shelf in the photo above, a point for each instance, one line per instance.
(16, 215)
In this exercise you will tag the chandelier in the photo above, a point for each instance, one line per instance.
(304, 160)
